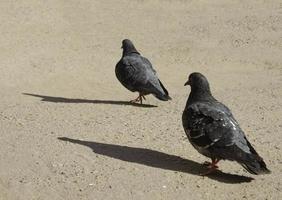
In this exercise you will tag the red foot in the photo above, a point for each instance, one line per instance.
(138, 99)
(211, 167)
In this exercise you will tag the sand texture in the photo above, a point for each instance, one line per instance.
(57, 79)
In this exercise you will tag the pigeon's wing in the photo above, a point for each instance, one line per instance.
(210, 125)
(148, 64)
(162, 92)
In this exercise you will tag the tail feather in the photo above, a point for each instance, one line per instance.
(163, 97)
(255, 165)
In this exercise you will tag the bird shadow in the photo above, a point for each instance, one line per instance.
(69, 100)
(157, 159)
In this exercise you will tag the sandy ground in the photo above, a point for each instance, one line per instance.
(63, 54)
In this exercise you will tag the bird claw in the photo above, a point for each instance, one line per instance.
(135, 100)
(138, 99)
(211, 166)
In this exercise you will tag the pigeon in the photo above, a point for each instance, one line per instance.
(136, 73)
(214, 132)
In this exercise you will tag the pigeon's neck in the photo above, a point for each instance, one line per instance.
(200, 95)
(129, 53)
(129, 50)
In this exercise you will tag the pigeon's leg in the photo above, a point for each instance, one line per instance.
(138, 99)
(211, 166)
(135, 100)
(214, 162)
(142, 96)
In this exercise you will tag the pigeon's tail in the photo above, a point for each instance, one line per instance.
(255, 165)
(161, 96)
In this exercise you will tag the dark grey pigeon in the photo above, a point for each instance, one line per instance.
(214, 132)
(136, 73)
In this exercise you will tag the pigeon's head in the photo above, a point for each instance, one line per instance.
(126, 43)
(128, 47)
(198, 81)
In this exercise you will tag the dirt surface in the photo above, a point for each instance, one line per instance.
(57, 80)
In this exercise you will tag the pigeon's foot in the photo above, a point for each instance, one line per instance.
(135, 100)
(211, 166)
(138, 99)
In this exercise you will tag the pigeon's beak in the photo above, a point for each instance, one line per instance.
(187, 83)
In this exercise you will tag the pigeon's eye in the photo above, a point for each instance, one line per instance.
(190, 80)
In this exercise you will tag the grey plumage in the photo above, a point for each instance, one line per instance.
(136, 73)
(213, 131)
